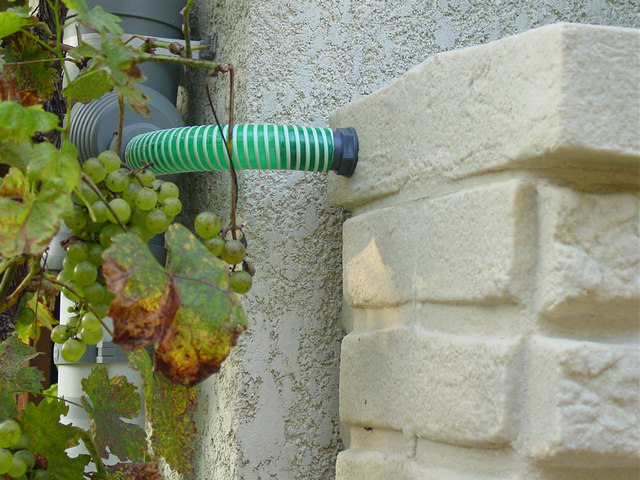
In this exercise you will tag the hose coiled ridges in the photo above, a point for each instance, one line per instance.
(201, 148)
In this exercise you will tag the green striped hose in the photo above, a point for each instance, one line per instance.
(266, 147)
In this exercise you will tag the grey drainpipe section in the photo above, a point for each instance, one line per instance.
(92, 124)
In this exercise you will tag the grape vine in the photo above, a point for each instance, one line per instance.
(187, 310)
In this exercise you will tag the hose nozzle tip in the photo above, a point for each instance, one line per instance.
(345, 151)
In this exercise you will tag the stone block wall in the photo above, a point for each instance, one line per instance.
(491, 268)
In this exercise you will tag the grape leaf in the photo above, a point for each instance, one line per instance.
(117, 61)
(8, 405)
(132, 471)
(210, 316)
(16, 154)
(95, 17)
(168, 406)
(50, 438)
(199, 316)
(146, 298)
(91, 84)
(14, 377)
(30, 219)
(110, 400)
(49, 162)
(18, 123)
(13, 20)
(32, 74)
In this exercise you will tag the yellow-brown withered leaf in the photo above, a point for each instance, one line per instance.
(146, 299)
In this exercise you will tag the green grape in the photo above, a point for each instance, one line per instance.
(95, 254)
(27, 457)
(110, 159)
(117, 181)
(234, 252)
(72, 350)
(94, 293)
(40, 474)
(85, 273)
(23, 443)
(76, 288)
(207, 225)
(121, 208)
(68, 263)
(26, 316)
(73, 322)
(9, 433)
(18, 467)
(90, 337)
(146, 199)
(60, 334)
(94, 169)
(171, 206)
(90, 322)
(88, 193)
(157, 221)
(129, 193)
(240, 281)
(107, 232)
(65, 275)
(156, 184)
(147, 176)
(76, 219)
(215, 245)
(100, 211)
(102, 308)
(77, 252)
(168, 190)
(141, 232)
(6, 459)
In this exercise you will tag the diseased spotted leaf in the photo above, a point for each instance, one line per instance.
(107, 401)
(189, 308)
(146, 299)
(29, 219)
(50, 438)
(14, 377)
(132, 471)
(32, 73)
(209, 318)
(168, 406)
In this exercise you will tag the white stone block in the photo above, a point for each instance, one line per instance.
(584, 404)
(560, 96)
(590, 254)
(446, 388)
(475, 246)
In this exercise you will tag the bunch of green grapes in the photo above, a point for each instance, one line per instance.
(16, 460)
(145, 206)
(232, 251)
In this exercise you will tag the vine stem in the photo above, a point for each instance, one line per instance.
(186, 29)
(67, 287)
(228, 143)
(187, 62)
(15, 295)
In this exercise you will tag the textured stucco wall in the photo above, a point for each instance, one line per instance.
(272, 412)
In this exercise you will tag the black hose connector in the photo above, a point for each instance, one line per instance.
(345, 151)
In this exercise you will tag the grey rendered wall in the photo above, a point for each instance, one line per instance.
(272, 412)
